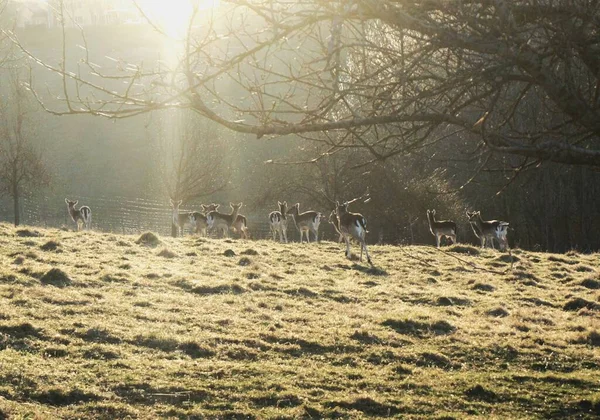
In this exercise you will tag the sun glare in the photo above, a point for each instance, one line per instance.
(173, 16)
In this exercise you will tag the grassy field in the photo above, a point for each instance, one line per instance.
(106, 326)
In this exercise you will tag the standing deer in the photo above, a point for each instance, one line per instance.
(179, 219)
(82, 216)
(278, 222)
(441, 228)
(333, 220)
(198, 219)
(487, 230)
(221, 221)
(241, 226)
(305, 222)
(352, 225)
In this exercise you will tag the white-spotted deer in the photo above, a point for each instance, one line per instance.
(441, 228)
(222, 221)
(179, 220)
(352, 225)
(488, 230)
(198, 219)
(278, 222)
(306, 222)
(81, 216)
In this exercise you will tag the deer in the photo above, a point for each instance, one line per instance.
(333, 220)
(441, 228)
(306, 222)
(81, 216)
(241, 226)
(198, 219)
(487, 230)
(278, 222)
(222, 221)
(352, 225)
(179, 219)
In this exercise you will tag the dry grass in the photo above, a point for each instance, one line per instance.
(266, 330)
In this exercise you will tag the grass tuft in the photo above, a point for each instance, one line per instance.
(591, 284)
(28, 233)
(229, 253)
(50, 246)
(498, 313)
(464, 249)
(419, 329)
(244, 261)
(478, 392)
(167, 253)
(149, 239)
(249, 251)
(56, 277)
(580, 303)
(218, 290)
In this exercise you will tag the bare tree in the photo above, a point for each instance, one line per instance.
(22, 166)
(519, 78)
(191, 156)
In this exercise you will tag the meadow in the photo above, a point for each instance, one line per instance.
(99, 325)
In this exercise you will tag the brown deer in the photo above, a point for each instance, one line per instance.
(488, 230)
(179, 219)
(222, 221)
(352, 225)
(306, 222)
(333, 220)
(441, 228)
(198, 219)
(241, 226)
(81, 216)
(278, 222)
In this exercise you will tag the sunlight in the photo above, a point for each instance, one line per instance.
(173, 16)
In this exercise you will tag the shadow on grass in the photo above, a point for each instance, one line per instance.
(61, 398)
(146, 394)
(419, 329)
(298, 347)
(367, 406)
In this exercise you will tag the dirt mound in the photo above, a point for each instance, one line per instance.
(56, 277)
(167, 253)
(27, 233)
(148, 239)
(50, 246)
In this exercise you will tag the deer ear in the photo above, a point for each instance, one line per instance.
(279, 203)
(67, 200)
(179, 202)
(75, 203)
(241, 204)
(171, 201)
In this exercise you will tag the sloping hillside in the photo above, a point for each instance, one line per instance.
(97, 325)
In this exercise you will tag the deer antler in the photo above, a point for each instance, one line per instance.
(366, 197)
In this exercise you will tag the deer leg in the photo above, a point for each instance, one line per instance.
(367, 252)
(437, 241)
(284, 235)
(347, 246)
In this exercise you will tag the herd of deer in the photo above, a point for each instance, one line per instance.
(485, 230)
(347, 224)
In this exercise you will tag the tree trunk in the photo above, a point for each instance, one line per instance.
(15, 195)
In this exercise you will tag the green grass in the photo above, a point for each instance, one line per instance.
(100, 326)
